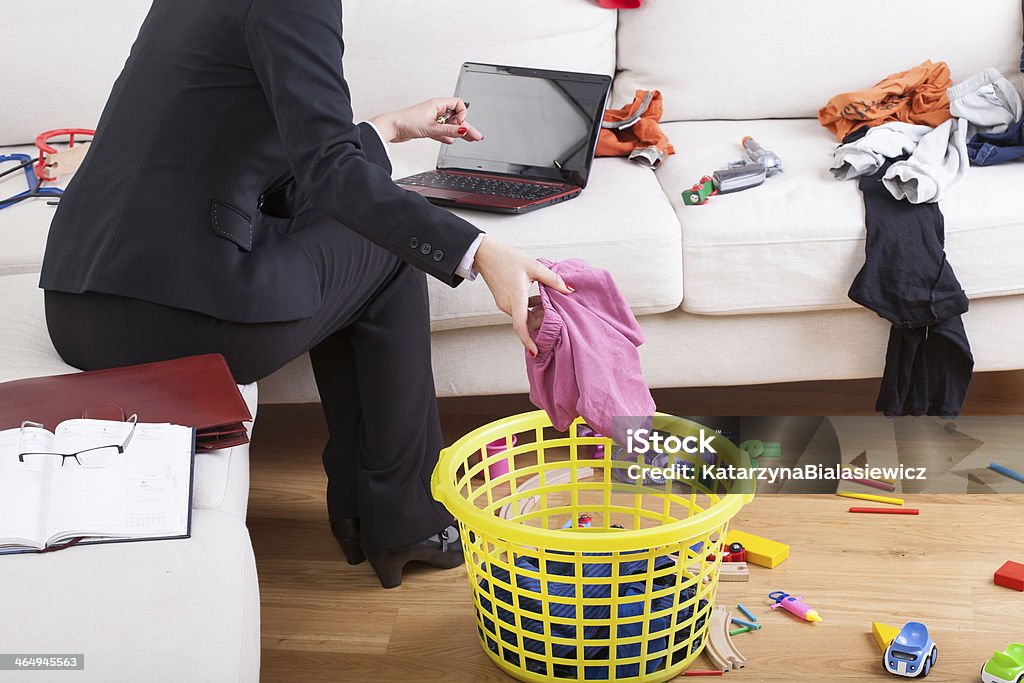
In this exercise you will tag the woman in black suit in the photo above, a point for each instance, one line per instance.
(229, 204)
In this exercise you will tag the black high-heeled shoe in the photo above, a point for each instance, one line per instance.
(440, 550)
(346, 531)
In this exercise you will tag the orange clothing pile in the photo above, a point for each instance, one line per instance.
(643, 140)
(914, 96)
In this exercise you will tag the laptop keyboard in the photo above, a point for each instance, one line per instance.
(483, 185)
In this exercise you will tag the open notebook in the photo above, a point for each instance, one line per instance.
(99, 495)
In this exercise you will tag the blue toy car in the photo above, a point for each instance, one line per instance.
(912, 653)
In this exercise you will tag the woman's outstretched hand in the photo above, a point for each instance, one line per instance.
(420, 121)
(509, 273)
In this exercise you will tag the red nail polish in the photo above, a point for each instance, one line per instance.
(462, 131)
(570, 287)
(533, 354)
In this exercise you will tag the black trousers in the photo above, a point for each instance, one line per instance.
(370, 348)
(907, 280)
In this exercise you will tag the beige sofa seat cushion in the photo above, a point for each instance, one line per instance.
(622, 222)
(221, 478)
(185, 609)
(796, 242)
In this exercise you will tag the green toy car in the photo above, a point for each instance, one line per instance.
(1006, 666)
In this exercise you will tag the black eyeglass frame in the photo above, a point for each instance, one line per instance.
(134, 420)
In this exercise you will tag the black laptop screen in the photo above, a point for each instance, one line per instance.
(536, 123)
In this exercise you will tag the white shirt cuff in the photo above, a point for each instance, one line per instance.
(384, 142)
(465, 269)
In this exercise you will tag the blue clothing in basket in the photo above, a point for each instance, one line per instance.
(628, 602)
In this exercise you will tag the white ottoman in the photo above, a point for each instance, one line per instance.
(179, 610)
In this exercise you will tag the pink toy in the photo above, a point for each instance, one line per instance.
(795, 606)
(596, 451)
(496, 467)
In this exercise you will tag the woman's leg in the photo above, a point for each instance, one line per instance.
(370, 346)
(400, 435)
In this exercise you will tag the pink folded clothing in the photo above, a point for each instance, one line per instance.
(587, 362)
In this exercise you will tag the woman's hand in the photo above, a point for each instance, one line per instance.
(420, 121)
(509, 273)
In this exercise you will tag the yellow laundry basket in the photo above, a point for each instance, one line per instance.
(628, 598)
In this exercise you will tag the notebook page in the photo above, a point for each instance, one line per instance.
(23, 492)
(143, 493)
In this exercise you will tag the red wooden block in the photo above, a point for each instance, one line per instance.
(1011, 575)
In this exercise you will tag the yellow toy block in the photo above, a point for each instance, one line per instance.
(760, 551)
(884, 634)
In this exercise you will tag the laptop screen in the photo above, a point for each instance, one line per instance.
(536, 123)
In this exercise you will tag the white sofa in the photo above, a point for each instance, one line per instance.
(750, 288)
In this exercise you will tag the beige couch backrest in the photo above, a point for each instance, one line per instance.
(750, 59)
(62, 56)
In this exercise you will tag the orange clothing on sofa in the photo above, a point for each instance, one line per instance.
(642, 135)
(914, 96)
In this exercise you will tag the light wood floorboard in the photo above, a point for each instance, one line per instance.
(323, 620)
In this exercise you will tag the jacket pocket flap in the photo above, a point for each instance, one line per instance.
(231, 224)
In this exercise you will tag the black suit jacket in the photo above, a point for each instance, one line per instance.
(230, 118)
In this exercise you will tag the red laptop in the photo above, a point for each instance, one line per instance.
(540, 131)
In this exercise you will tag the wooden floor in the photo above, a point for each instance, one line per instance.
(326, 621)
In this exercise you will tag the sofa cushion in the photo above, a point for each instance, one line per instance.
(80, 48)
(413, 50)
(751, 59)
(621, 222)
(221, 477)
(173, 610)
(633, 233)
(796, 242)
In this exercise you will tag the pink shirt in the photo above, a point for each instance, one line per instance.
(587, 362)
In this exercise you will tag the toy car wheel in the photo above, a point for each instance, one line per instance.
(935, 654)
(927, 668)
(735, 548)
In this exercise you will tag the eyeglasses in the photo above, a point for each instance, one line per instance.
(94, 457)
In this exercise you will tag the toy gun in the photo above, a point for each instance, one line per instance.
(757, 165)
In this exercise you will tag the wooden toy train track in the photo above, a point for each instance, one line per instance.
(720, 649)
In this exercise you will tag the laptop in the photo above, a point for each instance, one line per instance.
(540, 131)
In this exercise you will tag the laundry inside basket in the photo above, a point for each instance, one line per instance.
(661, 609)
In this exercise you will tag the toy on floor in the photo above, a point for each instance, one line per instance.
(912, 653)
(731, 552)
(870, 497)
(1011, 575)
(760, 551)
(881, 485)
(720, 649)
(886, 511)
(795, 606)
(734, 571)
(1006, 472)
(746, 612)
(750, 626)
(1006, 666)
(884, 634)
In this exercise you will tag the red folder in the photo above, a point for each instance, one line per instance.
(197, 391)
